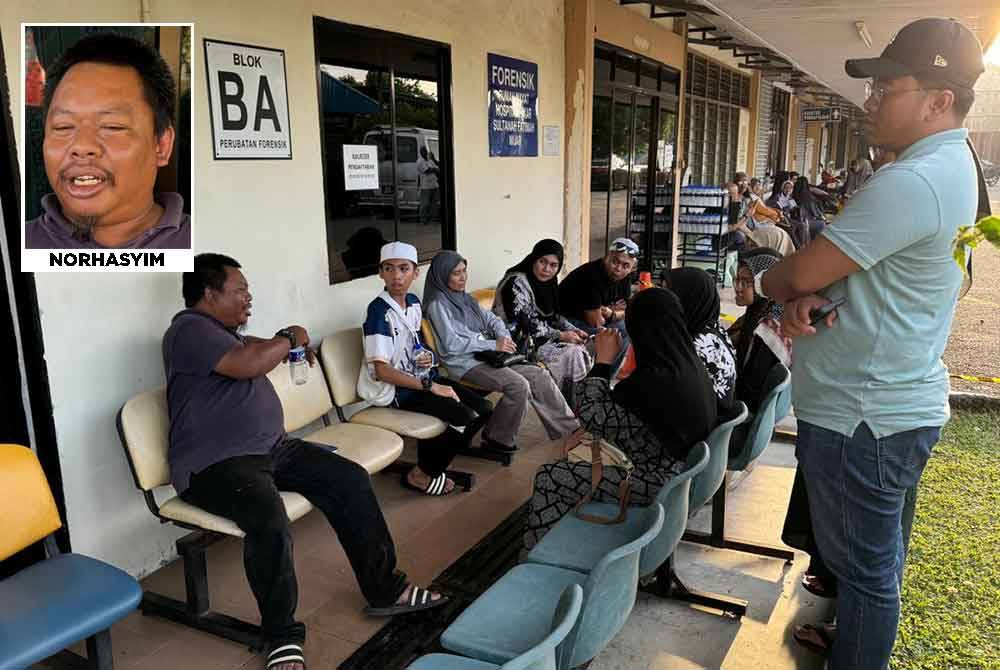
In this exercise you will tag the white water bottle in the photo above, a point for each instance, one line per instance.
(298, 367)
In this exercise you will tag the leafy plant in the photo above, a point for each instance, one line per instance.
(969, 237)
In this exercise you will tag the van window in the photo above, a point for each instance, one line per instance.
(407, 149)
(432, 145)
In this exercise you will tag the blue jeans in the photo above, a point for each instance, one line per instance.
(617, 325)
(858, 488)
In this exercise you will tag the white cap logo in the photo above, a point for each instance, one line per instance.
(939, 61)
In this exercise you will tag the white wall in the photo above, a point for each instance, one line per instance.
(102, 333)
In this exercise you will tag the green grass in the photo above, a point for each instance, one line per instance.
(951, 587)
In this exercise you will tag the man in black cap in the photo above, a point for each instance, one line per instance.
(869, 387)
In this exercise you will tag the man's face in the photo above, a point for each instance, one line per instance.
(618, 265)
(232, 304)
(398, 275)
(897, 112)
(100, 149)
(734, 192)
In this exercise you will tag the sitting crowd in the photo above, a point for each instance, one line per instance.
(552, 346)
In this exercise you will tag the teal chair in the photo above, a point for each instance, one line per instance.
(774, 407)
(578, 545)
(540, 657)
(515, 614)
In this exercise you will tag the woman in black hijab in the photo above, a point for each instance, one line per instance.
(655, 415)
(808, 209)
(527, 300)
(696, 290)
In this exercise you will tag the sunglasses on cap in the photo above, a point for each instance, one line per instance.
(630, 249)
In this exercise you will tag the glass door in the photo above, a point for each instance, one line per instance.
(632, 154)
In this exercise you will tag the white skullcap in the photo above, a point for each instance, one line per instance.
(400, 251)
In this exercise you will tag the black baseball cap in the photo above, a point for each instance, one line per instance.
(941, 48)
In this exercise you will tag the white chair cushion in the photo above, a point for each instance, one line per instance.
(176, 509)
(342, 355)
(301, 404)
(371, 448)
(145, 430)
(401, 422)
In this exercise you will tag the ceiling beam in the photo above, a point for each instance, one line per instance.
(653, 14)
(702, 29)
(767, 68)
(737, 54)
(686, 6)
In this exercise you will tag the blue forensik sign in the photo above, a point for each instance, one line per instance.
(512, 104)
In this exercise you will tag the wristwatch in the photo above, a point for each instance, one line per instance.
(426, 382)
(758, 285)
(285, 332)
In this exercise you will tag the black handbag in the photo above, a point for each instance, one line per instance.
(499, 359)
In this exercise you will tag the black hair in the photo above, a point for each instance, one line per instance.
(209, 272)
(964, 96)
(158, 85)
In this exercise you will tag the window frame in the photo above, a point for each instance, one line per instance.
(384, 44)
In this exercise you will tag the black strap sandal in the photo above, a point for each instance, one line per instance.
(420, 599)
(437, 486)
(817, 639)
(286, 653)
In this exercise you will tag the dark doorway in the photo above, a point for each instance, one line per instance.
(26, 409)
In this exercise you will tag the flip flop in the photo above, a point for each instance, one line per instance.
(817, 639)
(420, 599)
(435, 487)
(818, 587)
(286, 653)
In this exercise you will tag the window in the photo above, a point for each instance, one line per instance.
(390, 92)
(715, 95)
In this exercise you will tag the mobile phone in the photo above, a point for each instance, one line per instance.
(820, 313)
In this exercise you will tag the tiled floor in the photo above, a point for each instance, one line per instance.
(430, 533)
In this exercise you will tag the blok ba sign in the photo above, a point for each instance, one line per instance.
(248, 101)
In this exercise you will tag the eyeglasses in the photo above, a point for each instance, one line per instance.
(631, 250)
(877, 92)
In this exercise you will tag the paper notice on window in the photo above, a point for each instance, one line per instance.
(550, 141)
(360, 167)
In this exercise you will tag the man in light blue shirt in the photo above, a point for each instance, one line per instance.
(869, 387)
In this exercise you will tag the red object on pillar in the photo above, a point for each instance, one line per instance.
(34, 73)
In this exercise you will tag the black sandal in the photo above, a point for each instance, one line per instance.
(437, 486)
(817, 639)
(420, 599)
(286, 653)
(818, 586)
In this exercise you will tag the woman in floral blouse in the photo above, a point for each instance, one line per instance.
(527, 300)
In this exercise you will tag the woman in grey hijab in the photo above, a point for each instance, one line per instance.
(463, 328)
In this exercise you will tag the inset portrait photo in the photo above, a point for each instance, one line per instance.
(107, 147)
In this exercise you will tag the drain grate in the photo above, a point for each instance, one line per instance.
(405, 637)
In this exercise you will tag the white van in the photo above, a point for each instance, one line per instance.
(408, 143)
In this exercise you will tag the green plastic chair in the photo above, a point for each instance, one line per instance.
(578, 545)
(774, 407)
(515, 614)
(540, 657)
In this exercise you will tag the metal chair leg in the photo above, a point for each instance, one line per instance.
(717, 538)
(195, 611)
(667, 584)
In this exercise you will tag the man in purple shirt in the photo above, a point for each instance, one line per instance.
(109, 110)
(229, 455)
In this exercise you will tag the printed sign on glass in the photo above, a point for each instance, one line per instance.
(248, 101)
(512, 106)
(360, 167)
